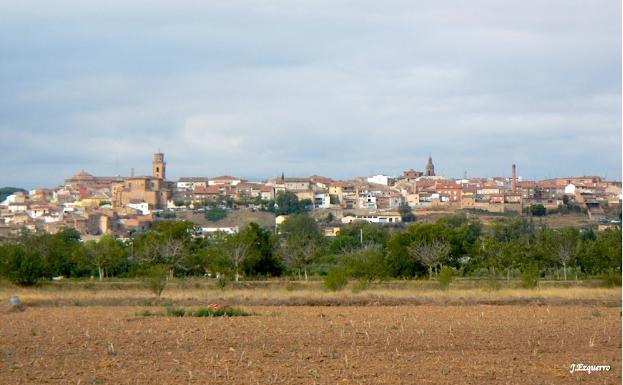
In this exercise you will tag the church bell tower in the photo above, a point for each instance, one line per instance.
(430, 168)
(158, 166)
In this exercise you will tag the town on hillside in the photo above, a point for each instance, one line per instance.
(123, 205)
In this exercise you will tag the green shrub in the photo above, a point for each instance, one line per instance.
(336, 279)
(175, 312)
(148, 313)
(155, 279)
(215, 215)
(368, 264)
(226, 311)
(611, 278)
(530, 276)
(445, 277)
(22, 266)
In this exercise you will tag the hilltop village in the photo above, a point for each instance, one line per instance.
(122, 205)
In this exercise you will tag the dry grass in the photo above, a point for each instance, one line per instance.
(299, 293)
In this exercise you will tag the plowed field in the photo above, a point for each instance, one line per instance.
(428, 344)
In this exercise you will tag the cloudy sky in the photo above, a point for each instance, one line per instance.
(337, 88)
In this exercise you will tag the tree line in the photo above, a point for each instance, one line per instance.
(361, 251)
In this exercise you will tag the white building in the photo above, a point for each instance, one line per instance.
(382, 218)
(142, 207)
(322, 200)
(191, 183)
(226, 230)
(367, 200)
(379, 179)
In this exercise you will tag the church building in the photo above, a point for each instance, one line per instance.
(154, 190)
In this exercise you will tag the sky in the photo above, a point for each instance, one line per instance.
(334, 88)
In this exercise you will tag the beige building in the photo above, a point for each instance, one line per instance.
(154, 190)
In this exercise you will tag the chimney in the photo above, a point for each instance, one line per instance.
(514, 182)
(132, 172)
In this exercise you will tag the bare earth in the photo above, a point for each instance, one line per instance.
(427, 344)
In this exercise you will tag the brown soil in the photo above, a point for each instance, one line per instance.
(427, 344)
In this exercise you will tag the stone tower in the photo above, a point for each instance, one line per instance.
(430, 168)
(158, 166)
(514, 180)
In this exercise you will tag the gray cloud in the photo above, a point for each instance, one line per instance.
(254, 88)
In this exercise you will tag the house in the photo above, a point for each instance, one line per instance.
(209, 193)
(320, 181)
(224, 180)
(227, 230)
(140, 206)
(296, 184)
(322, 200)
(378, 217)
(449, 189)
(468, 199)
(366, 200)
(189, 183)
(379, 179)
(266, 193)
(412, 174)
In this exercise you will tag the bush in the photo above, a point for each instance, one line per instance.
(156, 279)
(611, 278)
(537, 210)
(336, 279)
(493, 282)
(175, 312)
(222, 281)
(445, 277)
(220, 312)
(215, 215)
(530, 276)
(367, 264)
(22, 266)
(361, 285)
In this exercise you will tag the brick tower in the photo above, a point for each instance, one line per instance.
(158, 166)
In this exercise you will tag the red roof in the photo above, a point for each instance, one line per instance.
(207, 190)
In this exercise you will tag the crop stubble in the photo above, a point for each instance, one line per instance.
(305, 345)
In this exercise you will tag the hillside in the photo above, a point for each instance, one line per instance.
(240, 218)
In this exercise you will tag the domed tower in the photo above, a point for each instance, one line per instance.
(430, 168)
(158, 166)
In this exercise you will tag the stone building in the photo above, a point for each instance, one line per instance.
(430, 168)
(154, 190)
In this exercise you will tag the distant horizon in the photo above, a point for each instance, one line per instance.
(329, 88)
(255, 178)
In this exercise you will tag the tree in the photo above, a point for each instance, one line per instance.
(262, 258)
(237, 251)
(430, 253)
(21, 265)
(303, 240)
(168, 243)
(537, 210)
(105, 254)
(366, 264)
(565, 246)
(6, 191)
(366, 233)
(406, 213)
(288, 203)
(330, 217)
